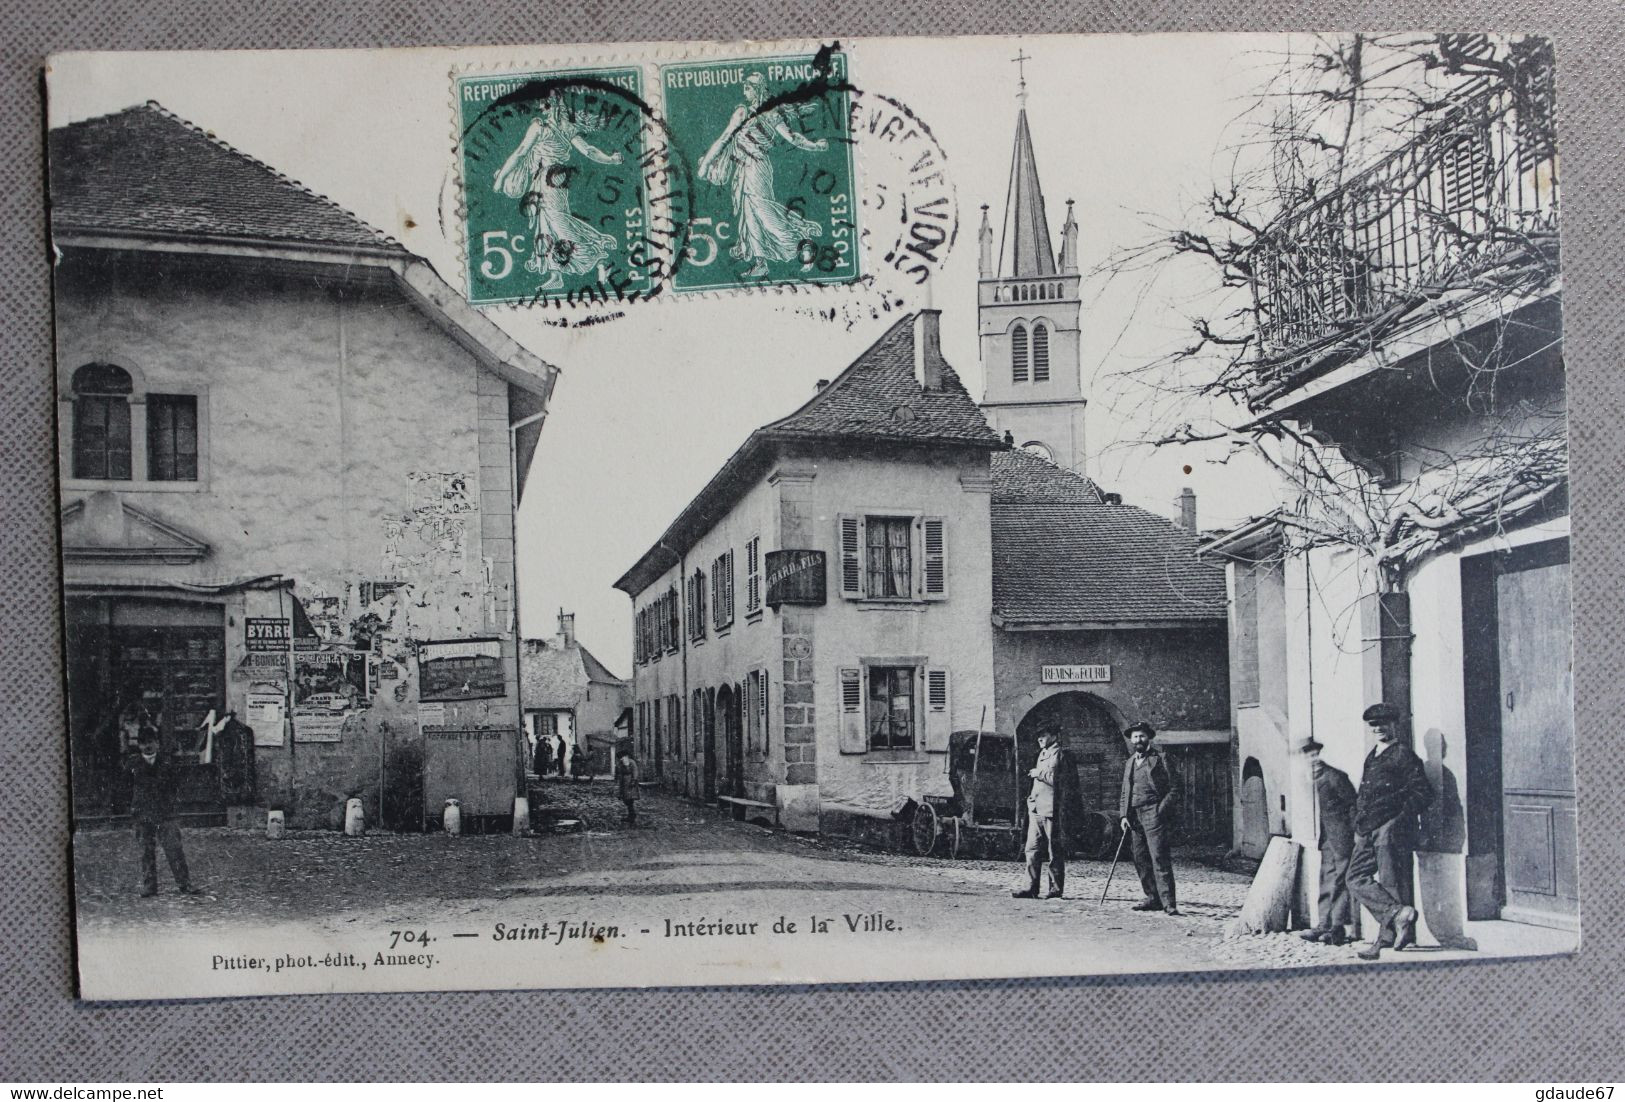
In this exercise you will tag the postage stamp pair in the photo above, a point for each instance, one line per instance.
(603, 185)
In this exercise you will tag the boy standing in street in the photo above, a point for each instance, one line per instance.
(152, 808)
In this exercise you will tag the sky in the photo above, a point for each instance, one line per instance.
(648, 406)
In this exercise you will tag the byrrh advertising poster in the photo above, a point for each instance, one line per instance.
(764, 513)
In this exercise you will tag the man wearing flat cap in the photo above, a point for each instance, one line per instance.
(1394, 790)
(1334, 830)
(1146, 810)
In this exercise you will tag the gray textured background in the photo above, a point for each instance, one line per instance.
(1540, 1020)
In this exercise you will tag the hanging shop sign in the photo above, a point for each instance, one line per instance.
(1076, 675)
(461, 669)
(795, 578)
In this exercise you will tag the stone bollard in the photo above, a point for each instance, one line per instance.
(355, 820)
(275, 826)
(521, 815)
(452, 820)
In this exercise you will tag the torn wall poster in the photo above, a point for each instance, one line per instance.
(466, 669)
(994, 529)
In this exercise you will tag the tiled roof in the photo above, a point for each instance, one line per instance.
(146, 171)
(1098, 564)
(876, 400)
(1022, 478)
(879, 398)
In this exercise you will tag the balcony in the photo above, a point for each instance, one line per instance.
(1466, 208)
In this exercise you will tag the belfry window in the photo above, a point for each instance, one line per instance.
(1040, 353)
(1018, 353)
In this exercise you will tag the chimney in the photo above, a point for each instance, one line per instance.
(567, 628)
(820, 384)
(1187, 509)
(928, 349)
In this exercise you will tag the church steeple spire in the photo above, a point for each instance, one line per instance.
(1029, 315)
(1025, 250)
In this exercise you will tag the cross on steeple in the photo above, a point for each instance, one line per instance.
(1021, 59)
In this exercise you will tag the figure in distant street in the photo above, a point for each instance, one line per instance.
(1334, 825)
(1146, 810)
(626, 782)
(1394, 790)
(559, 753)
(1046, 832)
(152, 808)
(543, 759)
(742, 159)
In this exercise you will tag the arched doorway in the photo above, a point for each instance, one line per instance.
(710, 771)
(736, 743)
(1255, 810)
(1092, 736)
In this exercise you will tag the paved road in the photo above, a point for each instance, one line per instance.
(672, 903)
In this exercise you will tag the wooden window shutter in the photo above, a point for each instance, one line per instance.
(854, 740)
(761, 707)
(934, 560)
(753, 574)
(939, 715)
(849, 538)
(730, 585)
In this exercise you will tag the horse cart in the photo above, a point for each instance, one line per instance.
(987, 811)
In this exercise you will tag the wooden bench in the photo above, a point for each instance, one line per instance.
(741, 807)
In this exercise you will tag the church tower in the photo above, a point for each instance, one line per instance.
(1028, 315)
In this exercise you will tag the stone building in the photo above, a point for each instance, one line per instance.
(290, 459)
(1429, 371)
(1103, 616)
(877, 571)
(568, 693)
(814, 624)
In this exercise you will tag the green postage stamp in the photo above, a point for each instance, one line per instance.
(555, 206)
(769, 142)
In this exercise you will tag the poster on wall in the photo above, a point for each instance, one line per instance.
(328, 687)
(264, 710)
(461, 669)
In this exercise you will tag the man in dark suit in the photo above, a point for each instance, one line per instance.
(152, 808)
(1334, 825)
(1146, 810)
(1394, 790)
(1046, 826)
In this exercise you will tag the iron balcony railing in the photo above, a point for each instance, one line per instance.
(1467, 197)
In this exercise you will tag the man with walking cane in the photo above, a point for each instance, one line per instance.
(1146, 810)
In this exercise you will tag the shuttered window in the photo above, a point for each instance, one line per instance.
(892, 708)
(753, 575)
(1040, 353)
(893, 558)
(1018, 353)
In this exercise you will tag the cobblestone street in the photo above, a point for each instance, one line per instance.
(684, 864)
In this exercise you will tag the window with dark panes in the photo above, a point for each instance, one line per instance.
(891, 708)
(888, 543)
(172, 437)
(101, 422)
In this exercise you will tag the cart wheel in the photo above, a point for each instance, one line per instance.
(924, 830)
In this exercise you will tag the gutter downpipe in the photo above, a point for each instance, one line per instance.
(518, 640)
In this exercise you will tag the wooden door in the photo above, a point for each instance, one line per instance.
(1540, 859)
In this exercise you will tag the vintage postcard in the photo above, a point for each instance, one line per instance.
(808, 511)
